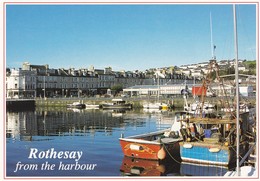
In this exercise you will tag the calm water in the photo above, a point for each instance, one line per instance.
(90, 140)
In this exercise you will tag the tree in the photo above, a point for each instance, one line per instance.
(117, 88)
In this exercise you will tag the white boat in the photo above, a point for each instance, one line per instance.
(92, 106)
(198, 108)
(155, 106)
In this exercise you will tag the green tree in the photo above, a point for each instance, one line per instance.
(117, 88)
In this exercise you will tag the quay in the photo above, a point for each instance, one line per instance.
(137, 102)
(20, 104)
(30, 104)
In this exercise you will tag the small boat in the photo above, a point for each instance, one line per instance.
(92, 106)
(76, 105)
(155, 106)
(158, 145)
(117, 104)
(152, 146)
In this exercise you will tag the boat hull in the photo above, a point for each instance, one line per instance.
(125, 106)
(152, 150)
(206, 153)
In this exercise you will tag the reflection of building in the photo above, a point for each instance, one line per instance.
(25, 125)
(20, 124)
(13, 125)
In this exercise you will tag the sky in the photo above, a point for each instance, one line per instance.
(126, 36)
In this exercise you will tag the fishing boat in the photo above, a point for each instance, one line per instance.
(219, 140)
(156, 145)
(77, 105)
(117, 104)
(211, 140)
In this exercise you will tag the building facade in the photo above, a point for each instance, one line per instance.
(41, 81)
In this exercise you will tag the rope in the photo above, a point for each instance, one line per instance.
(170, 153)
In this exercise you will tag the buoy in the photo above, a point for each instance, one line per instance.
(187, 145)
(214, 150)
(161, 154)
(226, 143)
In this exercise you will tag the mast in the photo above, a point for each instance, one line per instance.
(158, 86)
(211, 40)
(237, 87)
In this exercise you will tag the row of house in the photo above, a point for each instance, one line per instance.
(200, 69)
(42, 81)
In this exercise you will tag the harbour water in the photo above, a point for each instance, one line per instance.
(84, 143)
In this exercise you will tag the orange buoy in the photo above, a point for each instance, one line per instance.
(161, 154)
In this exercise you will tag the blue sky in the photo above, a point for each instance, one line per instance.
(129, 37)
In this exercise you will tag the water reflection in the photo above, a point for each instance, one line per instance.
(141, 167)
(45, 122)
(65, 129)
(192, 169)
(61, 122)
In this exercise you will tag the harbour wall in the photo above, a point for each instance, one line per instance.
(138, 102)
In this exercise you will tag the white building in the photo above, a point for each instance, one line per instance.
(21, 84)
(152, 90)
(246, 90)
